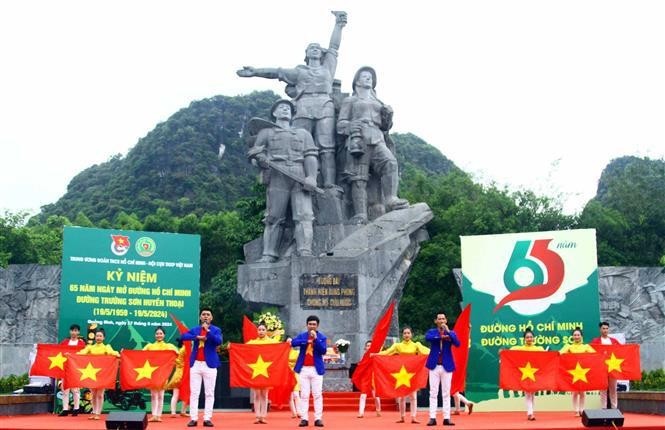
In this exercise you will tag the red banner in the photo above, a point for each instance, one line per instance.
(528, 370)
(90, 371)
(145, 369)
(184, 384)
(249, 330)
(362, 376)
(50, 360)
(399, 375)
(581, 372)
(461, 354)
(260, 365)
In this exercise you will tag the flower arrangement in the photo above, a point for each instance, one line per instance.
(342, 345)
(273, 324)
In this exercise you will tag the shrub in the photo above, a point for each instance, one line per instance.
(653, 381)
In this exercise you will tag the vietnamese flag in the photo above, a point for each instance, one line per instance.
(461, 354)
(399, 375)
(145, 369)
(50, 360)
(90, 371)
(622, 361)
(581, 372)
(184, 383)
(362, 376)
(249, 330)
(528, 370)
(260, 365)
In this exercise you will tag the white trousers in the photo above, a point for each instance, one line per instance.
(413, 401)
(201, 372)
(76, 394)
(611, 387)
(363, 402)
(157, 402)
(174, 401)
(439, 377)
(530, 398)
(97, 400)
(310, 381)
(260, 402)
(578, 401)
(459, 399)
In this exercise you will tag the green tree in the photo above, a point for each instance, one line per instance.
(628, 212)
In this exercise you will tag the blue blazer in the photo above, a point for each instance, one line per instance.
(433, 336)
(213, 340)
(320, 347)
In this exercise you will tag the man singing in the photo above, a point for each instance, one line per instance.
(309, 366)
(441, 366)
(203, 362)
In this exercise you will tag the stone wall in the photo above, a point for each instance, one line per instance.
(29, 302)
(632, 300)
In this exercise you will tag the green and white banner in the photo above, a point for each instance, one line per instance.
(128, 282)
(547, 281)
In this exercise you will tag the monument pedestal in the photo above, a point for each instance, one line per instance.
(350, 286)
(337, 378)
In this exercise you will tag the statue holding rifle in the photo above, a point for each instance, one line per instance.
(310, 87)
(288, 156)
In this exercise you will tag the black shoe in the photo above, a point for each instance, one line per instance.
(208, 423)
(431, 422)
(75, 412)
(191, 423)
(447, 422)
(63, 413)
(303, 423)
(318, 423)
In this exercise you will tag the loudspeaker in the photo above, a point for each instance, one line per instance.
(602, 417)
(120, 420)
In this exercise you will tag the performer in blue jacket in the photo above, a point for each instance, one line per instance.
(203, 362)
(441, 366)
(309, 366)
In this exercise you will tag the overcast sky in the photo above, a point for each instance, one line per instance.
(526, 94)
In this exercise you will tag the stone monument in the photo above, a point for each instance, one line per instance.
(340, 243)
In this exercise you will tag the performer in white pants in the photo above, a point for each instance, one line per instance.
(528, 395)
(204, 362)
(606, 339)
(310, 368)
(441, 366)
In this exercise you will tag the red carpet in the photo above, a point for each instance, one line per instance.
(343, 420)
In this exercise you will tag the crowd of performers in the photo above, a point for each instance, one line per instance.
(306, 360)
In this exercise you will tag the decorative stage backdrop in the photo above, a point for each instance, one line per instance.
(545, 280)
(128, 282)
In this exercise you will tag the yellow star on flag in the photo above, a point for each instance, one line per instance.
(614, 363)
(145, 371)
(402, 377)
(260, 367)
(528, 372)
(89, 372)
(57, 361)
(579, 373)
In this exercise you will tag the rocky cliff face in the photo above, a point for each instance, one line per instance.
(29, 295)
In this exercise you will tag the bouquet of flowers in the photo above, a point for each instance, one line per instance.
(342, 345)
(273, 324)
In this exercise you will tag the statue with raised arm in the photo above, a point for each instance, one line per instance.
(289, 159)
(310, 87)
(365, 120)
